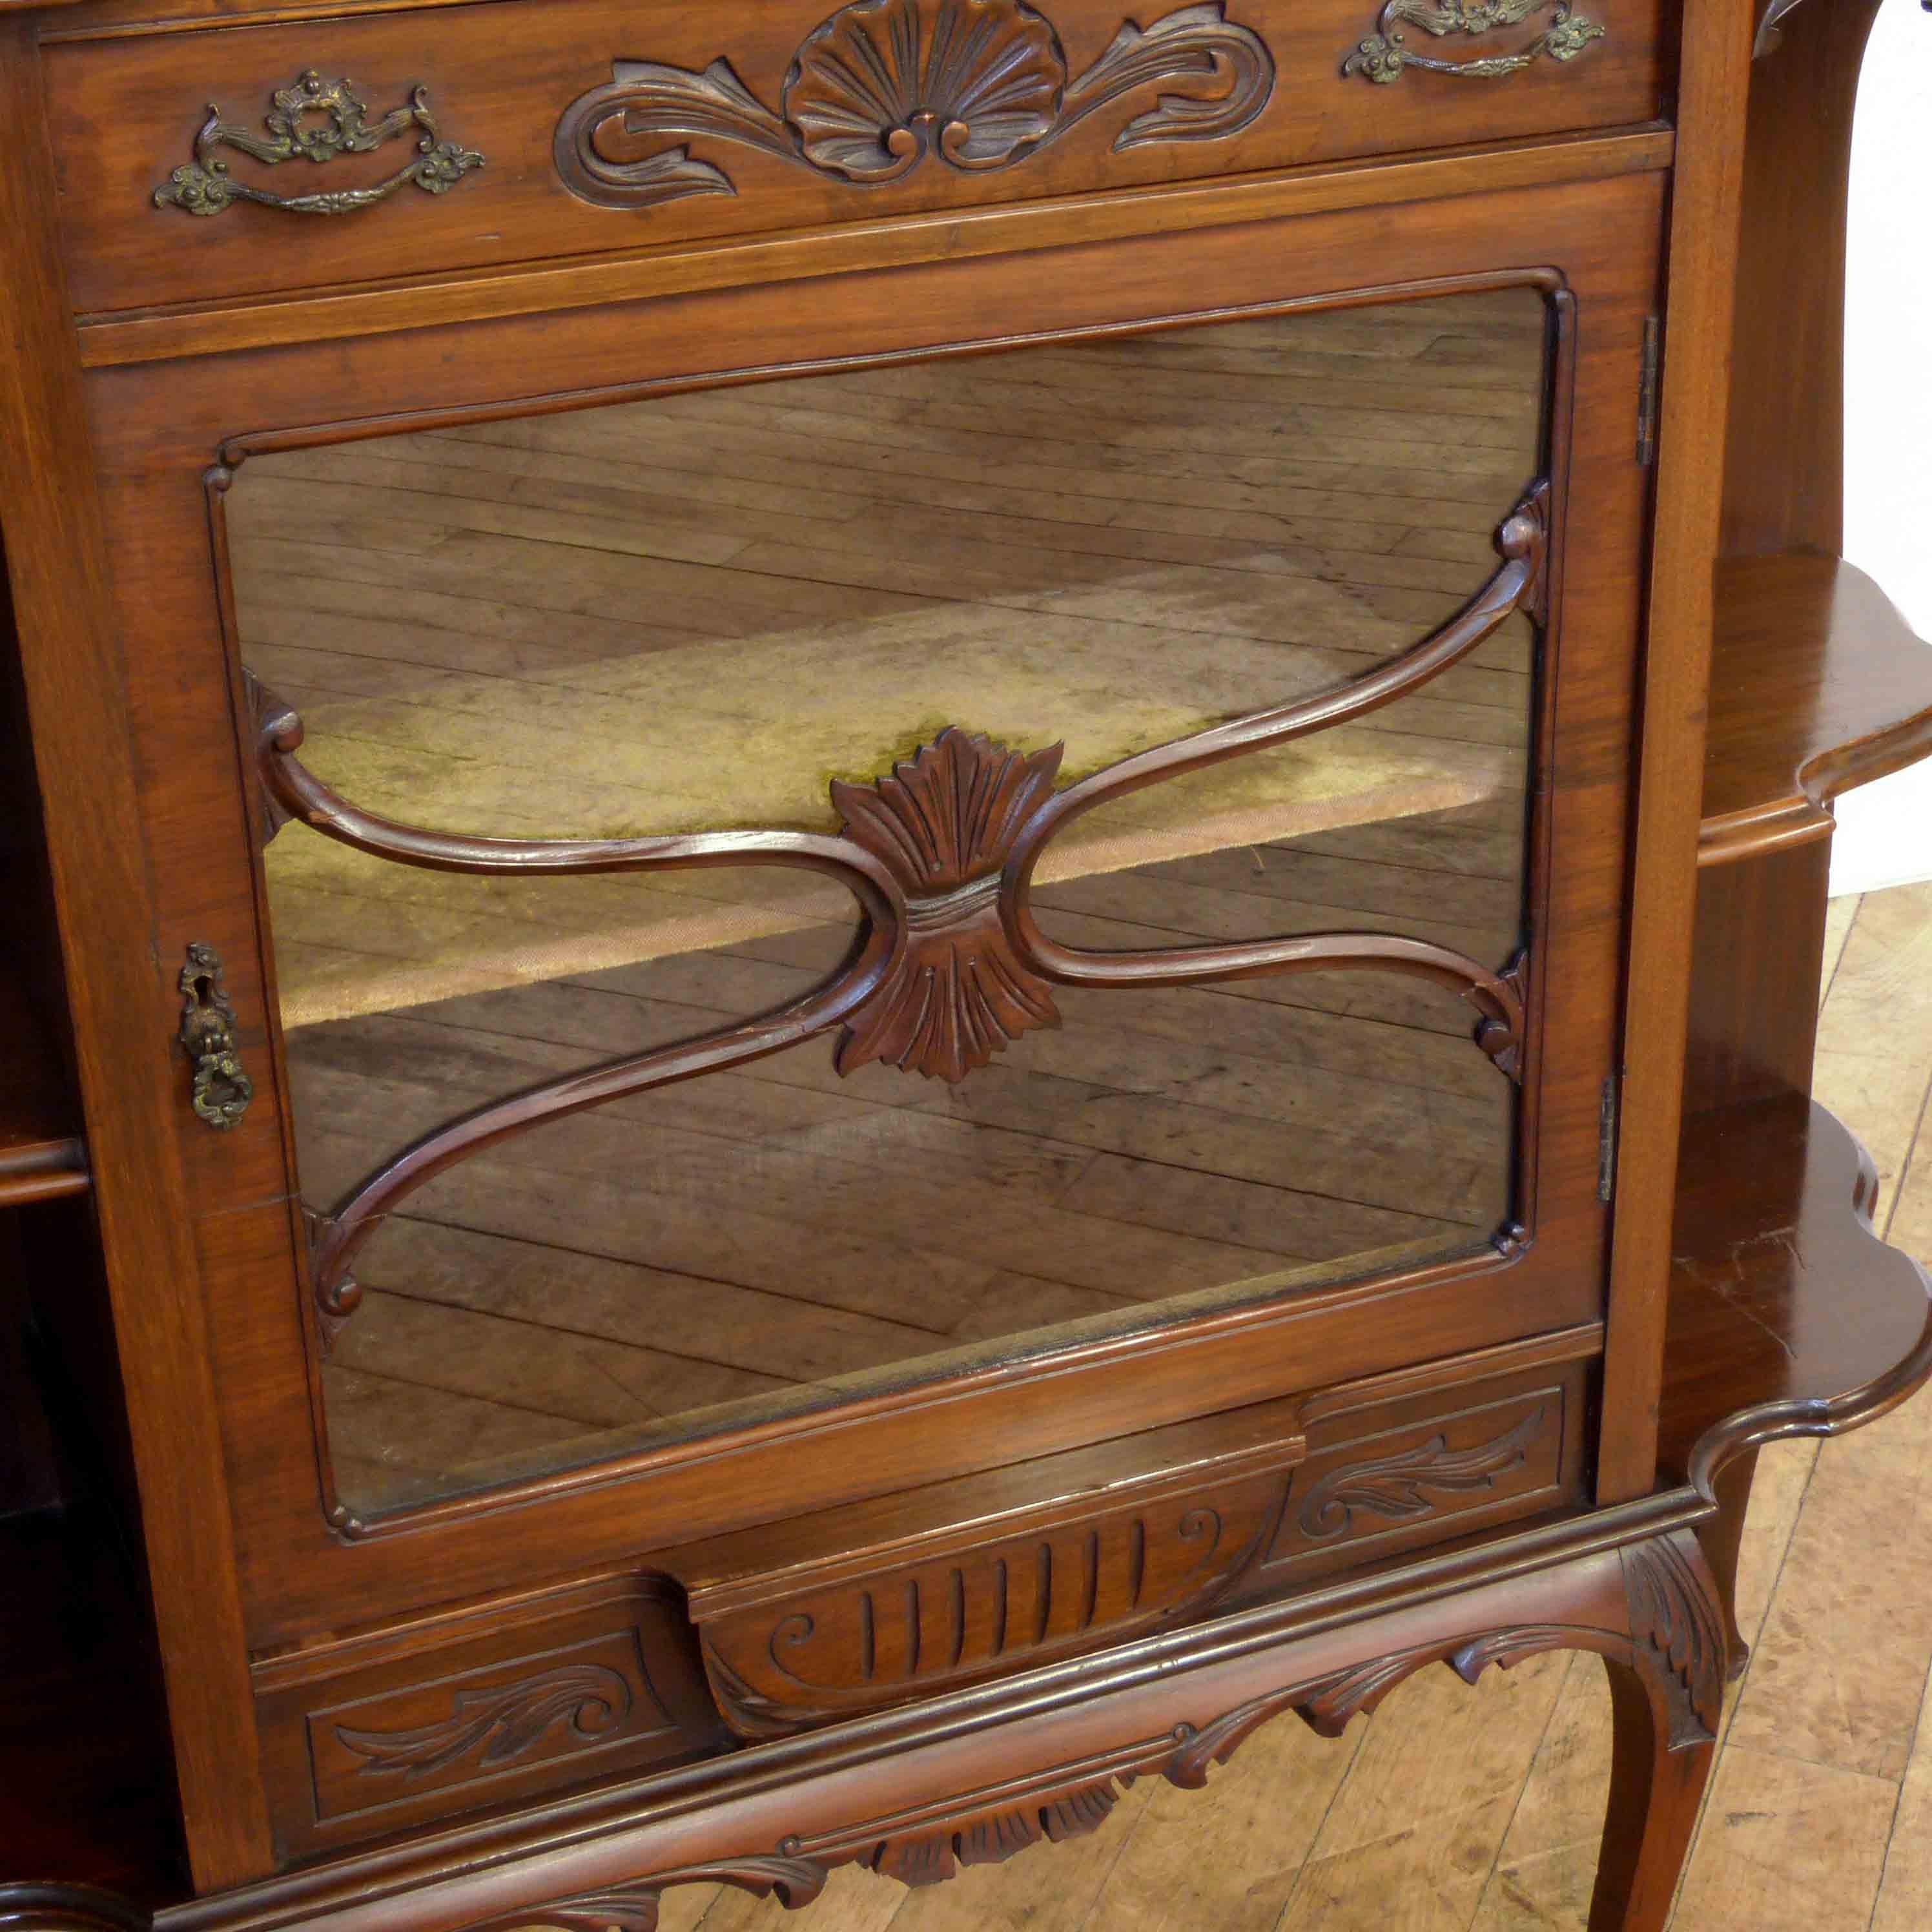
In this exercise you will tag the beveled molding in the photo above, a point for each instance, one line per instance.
(979, 1775)
(221, 327)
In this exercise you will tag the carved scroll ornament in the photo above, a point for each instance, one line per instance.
(951, 964)
(500, 1723)
(1384, 56)
(1396, 1486)
(316, 121)
(881, 84)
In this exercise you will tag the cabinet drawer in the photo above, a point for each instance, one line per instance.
(1405, 1460)
(854, 1610)
(512, 133)
(496, 1703)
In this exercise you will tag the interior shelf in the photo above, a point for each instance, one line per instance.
(83, 1755)
(41, 1154)
(1788, 1315)
(1817, 684)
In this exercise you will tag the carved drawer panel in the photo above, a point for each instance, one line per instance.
(1391, 1465)
(851, 1610)
(195, 164)
(380, 1732)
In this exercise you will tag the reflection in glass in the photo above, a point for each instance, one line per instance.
(693, 614)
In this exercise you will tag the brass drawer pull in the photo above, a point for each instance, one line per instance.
(1382, 56)
(222, 1091)
(315, 120)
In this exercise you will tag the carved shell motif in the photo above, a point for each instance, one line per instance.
(943, 823)
(867, 100)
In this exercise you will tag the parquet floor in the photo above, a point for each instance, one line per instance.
(1459, 1810)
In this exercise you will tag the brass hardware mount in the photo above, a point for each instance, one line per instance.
(318, 121)
(221, 1090)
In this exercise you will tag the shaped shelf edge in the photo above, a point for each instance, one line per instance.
(1818, 684)
(1788, 1316)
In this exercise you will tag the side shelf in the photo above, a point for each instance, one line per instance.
(1817, 684)
(1788, 1315)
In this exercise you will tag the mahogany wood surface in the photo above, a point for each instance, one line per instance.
(1817, 684)
(1693, 401)
(1788, 1315)
(499, 81)
(927, 1622)
(57, 564)
(151, 423)
(382, 307)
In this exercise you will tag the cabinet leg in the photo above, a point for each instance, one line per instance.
(1666, 1699)
(1655, 1793)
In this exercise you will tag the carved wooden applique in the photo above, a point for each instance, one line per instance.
(500, 1724)
(1396, 1487)
(882, 84)
(813, 1656)
(943, 825)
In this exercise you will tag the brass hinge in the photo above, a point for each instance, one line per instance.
(1646, 393)
(1606, 1139)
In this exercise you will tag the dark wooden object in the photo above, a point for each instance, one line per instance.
(932, 1623)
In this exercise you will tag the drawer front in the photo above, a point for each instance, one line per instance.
(1389, 1470)
(810, 1654)
(470, 136)
(363, 1738)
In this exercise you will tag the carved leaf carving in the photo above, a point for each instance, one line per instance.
(995, 1837)
(1395, 1486)
(943, 823)
(1677, 1633)
(881, 84)
(501, 1723)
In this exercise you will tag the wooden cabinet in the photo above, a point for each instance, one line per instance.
(871, 845)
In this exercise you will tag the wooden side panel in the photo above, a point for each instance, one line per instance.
(57, 560)
(1758, 948)
(1697, 332)
(1784, 456)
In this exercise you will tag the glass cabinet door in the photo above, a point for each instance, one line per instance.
(819, 883)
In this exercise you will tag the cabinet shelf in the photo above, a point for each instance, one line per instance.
(42, 1157)
(1817, 684)
(1788, 1315)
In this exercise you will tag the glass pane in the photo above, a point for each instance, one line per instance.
(740, 609)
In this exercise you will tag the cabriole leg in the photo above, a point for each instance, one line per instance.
(1665, 1701)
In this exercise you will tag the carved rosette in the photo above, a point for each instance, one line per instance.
(943, 823)
(881, 84)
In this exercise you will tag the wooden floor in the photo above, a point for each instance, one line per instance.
(1458, 1811)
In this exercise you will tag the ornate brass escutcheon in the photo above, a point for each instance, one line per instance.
(221, 1091)
(315, 120)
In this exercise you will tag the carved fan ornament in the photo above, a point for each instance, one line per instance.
(881, 85)
(943, 824)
